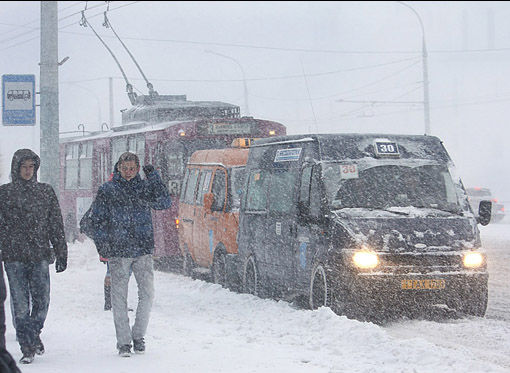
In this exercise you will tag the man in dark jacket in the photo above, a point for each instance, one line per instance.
(31, 234)
(123, 233)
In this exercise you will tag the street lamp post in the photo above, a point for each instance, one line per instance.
(426, 104)
(246, 108)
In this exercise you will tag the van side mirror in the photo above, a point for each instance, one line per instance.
(208, 202)
(484, 212)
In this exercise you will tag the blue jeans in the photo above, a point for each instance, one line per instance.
(29, 285)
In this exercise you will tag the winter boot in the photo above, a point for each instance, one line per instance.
(139, 346)
(107, 297)
(39, 347)
(28, 354)
(125, 351)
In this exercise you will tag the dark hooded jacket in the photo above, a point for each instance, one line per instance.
(31, 226)
(121, 215)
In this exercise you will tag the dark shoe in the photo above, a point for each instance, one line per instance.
(28, 355)
(125, 350)
(139, 346)
(39, 347)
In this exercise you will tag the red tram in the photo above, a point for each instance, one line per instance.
(163, 130)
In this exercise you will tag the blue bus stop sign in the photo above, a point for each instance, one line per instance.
(18, 100)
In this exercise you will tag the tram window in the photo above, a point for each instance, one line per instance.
(137, 145)
(85, 166)
(119, 146)
(173, 160)
(71, 171)
(219, 190)
(140, 149)
(203, 186)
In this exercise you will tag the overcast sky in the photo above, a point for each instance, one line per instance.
(299, 60)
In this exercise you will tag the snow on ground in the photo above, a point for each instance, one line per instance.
(200, 327)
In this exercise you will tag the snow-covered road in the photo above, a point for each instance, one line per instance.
(200, 327)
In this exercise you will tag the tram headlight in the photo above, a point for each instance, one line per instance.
(472, 260)
(365, 259)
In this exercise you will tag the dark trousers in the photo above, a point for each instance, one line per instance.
(29, 285)
(7, 363)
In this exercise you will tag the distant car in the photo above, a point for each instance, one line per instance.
(477, 194)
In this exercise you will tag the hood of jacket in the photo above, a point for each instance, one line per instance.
(19, 157)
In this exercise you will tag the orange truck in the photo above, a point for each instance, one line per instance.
(209, 212)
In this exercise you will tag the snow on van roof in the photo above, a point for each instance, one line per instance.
(355, 146)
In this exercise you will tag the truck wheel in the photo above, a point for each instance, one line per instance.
(318, 288)
(250, 277)
(219, 268)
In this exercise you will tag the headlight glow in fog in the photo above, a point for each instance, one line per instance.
(473, 260)
(365, 259)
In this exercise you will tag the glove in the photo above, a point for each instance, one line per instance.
(61, 264)
(148, 169)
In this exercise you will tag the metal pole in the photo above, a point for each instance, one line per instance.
(246, 108)
(111, 101)
(48, 86)
(426, 103)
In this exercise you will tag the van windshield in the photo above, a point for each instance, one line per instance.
(384, 186)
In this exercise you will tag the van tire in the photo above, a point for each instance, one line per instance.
(187, 264)
(219, 268)
(250, 277)
(319, 288)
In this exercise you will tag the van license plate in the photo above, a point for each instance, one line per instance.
(432, 284)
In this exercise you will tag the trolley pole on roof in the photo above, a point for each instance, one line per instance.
(48, 86)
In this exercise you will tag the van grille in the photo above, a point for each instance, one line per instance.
(420, 263)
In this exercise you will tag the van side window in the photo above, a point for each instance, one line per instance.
(184, 183)
(304, 190)
(238, 177)
(256, 195)
(191, 186)
(309, 192)
(315, 195)
(203, 186)
(219, 190)
(281, 191)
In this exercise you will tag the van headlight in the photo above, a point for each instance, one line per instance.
(365, 259)
(472, 260)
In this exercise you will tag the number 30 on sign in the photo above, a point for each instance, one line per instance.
(349, 171)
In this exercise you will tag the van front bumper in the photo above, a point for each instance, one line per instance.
(386, 293)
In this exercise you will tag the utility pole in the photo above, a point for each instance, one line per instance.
(48, 86)
(424, 55)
